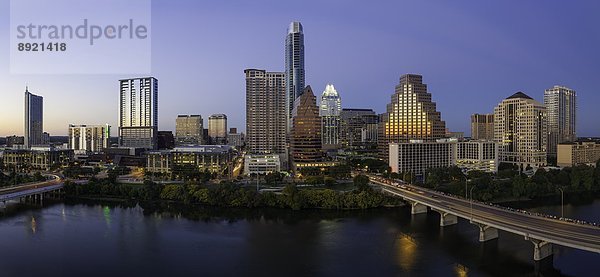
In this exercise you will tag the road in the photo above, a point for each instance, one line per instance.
(544, 228)
(17, 191)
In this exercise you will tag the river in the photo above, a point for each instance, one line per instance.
(107, 239)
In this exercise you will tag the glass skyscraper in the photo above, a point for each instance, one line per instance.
(294, 65)
(561, 106)
(34, 119)
(329, 110)
(138, 113)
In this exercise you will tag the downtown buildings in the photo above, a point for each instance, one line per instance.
(294, 66)
(138, 113)
(520, 125)
(89, 138)
(266, 112)
(411, 115)
(329, 110)
(34, 119)
(561, 109)
(305, 138)
(358, 128)
(217, 129)
(189, 130)
(482, 126)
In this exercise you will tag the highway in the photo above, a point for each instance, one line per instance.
(13, 192)
(531, 226)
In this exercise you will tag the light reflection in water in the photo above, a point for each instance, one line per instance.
(461, 270)
(406, 248)
(106, 212)
(33, 225)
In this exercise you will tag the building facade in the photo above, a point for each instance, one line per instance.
(561, 106)
(294, 66)
(34, 119)
(217, 129)
(89, 138)
(305, 142)
(216, 159)
(520, 130)
(235, 139)
(15, 141)
(578, 153)
(261, 164)
(138, 113)
(411, 115)
(36, 158)
(358, 127)
(188, 130)
(417, 156)
(480, 155)
(266, 112)
(165, 140)
(329, 110)
(482, 126)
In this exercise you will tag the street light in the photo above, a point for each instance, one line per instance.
(562, 205)
(471, 193)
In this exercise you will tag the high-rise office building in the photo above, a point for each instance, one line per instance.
(561, 106)
(217, 129)
(482, 126)
(329, 110)
(266, 112)
(138, 112)
(411, 115)
(294, 65)
(305, 142)
(358, 127)
(520, 131)
(89, 138)
(165, 140)
(188, 130)
(34, 119)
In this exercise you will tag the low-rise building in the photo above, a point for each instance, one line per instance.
(212, 158)
(578, 153)
(417, 156)
(261, 164)
(36, 158)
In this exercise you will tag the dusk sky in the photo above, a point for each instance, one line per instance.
(472, 54)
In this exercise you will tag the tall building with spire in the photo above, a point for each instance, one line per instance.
(294, 65)
(411, 115)
(329, 110)
(561, 106)
(520, 131)
(34, 119)
(305, 142)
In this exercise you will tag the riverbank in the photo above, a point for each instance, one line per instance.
(234, 196)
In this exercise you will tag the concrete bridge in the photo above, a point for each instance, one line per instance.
(542, 231)
(33, 191)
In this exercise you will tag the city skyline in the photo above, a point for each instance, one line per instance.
(508, 59)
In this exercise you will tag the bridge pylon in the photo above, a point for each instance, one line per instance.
(486, 233)
(418, 208)
(541, 249)
(447, 219)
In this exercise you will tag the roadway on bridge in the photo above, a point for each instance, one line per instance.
(580, 236)
(12, 192)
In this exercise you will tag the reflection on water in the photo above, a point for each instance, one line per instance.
(406, 248)
(150, 240)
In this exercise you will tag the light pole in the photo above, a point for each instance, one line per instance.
(562, 205)
(471, 193)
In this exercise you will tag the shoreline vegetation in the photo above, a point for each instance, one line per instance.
(228, 194)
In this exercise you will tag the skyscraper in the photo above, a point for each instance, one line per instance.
(356, 122)
(217, 129)
(482, 126)
(34, 119)
(266, 112)
(294, 64)
(188, 130)
(305, 140)
(138, 112)
(520, 131)
(411, 115)
(561, 106)
(329, 110)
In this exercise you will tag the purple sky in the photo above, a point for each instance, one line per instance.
(472, 54)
